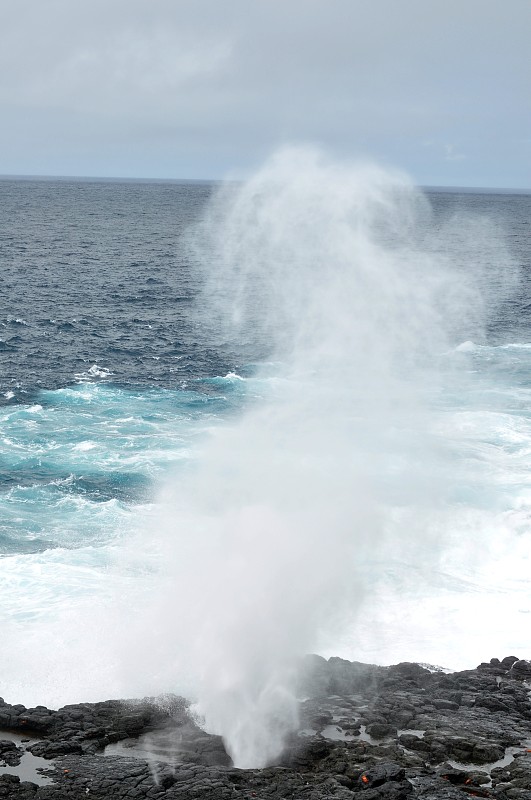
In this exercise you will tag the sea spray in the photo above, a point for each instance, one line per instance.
(366, 439)
(313, 259)
(334, 272)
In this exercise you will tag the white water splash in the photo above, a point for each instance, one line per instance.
(333, 270)
(288, 520)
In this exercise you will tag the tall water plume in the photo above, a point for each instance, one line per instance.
(365, 452)
(335, 274)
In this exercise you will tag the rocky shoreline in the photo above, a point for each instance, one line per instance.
(395, 733)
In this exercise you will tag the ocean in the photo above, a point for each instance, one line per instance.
(244, 422)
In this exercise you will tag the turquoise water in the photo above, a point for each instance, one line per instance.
(77, 460)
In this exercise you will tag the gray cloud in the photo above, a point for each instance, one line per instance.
(193, 88)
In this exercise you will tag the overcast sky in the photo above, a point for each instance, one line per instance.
(203, 88)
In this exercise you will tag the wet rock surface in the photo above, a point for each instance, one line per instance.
(399, 732)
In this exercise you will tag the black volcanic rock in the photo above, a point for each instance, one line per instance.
(367, 732)
(10, 754)
(521, 669)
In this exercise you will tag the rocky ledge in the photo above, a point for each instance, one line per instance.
(366, 732)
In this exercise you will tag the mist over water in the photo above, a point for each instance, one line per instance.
(336, 273)
(228, 486)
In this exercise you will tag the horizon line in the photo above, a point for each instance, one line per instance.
(128, 179)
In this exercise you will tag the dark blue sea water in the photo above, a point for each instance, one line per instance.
(111, 382)
(93, 272)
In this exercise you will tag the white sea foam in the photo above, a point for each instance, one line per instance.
(85, 446)
(100, 372)
(466, 347)
(94, 371)
(233, 376)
